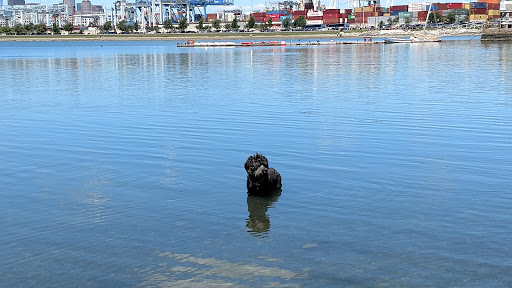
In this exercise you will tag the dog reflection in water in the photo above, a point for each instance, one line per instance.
(258, 223)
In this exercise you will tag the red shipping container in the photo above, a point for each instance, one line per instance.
(331, 21)
(300, 12)
(315, 18)
(493, 6)
(330, 16)
(454, 5)
(479, 11)
(332, 11)
(399, 8)
(442, 6)
(351, 21)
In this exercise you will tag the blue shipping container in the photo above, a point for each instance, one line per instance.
(284, 17)
(478, 5)
(434, 8)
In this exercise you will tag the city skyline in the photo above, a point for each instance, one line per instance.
(245, 5)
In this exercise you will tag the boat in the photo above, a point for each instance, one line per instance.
(413, 39)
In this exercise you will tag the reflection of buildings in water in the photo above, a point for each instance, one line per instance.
(258, 223)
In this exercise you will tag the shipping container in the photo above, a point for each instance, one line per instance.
(466, 6)
(493, 12)
(331, 21)
(434, 8)
(210, 17)
(442, 6)
(478, 11)
(478, 5)
(285, 17)
(493, 6)
(416, 7)
(405, 15)
(455, 5)
(300, 12)
(312, 13)
(476, 17)
(490, 1)
(331, 16)
(314, 22)
(403, 8)
(332, 11)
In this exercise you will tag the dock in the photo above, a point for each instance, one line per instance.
(193, 43)
(497, 34)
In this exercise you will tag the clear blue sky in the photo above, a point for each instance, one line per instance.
(245, 5)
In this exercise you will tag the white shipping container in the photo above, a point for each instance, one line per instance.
(416, 7)
(312, 13)
(374, 21)
(506, 6)
(314, 22)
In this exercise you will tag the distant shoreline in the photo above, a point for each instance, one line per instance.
(232, 36)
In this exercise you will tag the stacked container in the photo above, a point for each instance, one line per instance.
(331, 16)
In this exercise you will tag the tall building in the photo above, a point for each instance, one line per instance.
(15, 2)
(86, 7)
(71, 6)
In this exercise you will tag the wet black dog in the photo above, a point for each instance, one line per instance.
(261, 180)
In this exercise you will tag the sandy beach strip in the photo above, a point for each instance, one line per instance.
(235, 36)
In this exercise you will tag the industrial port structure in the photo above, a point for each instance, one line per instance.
(153, 13)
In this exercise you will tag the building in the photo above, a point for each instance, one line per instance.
(15, 2)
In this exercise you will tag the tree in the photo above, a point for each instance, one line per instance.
(136, 26)
(381, 24)
(450, 18)
(68, 27)
(123, 26)
(200, 25)
(107, 26)
(251, 23)
(300, 22)
(262, 27)
(168, 25)
(19, 29)
(6, 30)
(286, 23)
(41, 28)
(408, 20)
(234, 24)
(269, 23)
(182, 25)
(216, 24)
(435, 18)
(227, 26)
(30, 28)
(55, 28)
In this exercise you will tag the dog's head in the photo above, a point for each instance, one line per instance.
(256, 166)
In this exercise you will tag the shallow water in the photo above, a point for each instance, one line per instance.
(123, 165)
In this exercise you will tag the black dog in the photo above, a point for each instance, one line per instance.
(261, 180)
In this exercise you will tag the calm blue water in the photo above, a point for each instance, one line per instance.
(122, 165)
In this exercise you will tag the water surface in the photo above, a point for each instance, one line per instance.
(122, 165)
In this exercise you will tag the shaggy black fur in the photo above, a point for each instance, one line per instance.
(261, 180)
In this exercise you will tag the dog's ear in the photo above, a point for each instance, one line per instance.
(249, 163)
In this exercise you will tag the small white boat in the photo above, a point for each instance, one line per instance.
(413, 39)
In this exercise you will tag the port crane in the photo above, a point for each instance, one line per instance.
(155, 12)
